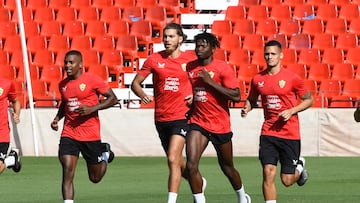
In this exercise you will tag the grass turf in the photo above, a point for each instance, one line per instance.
(144, 179)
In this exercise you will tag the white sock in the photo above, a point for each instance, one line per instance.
(241, 195)
(105, 156)
(199, 198)
(172, 196)
(270, 201)
(68, 201)
(300, 168)
(9, 161)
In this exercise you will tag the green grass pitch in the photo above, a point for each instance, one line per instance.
(144, 179)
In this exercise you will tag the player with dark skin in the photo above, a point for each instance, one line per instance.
(96, 171)
(214, 84)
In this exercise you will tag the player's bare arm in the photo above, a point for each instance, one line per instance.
(110, 100)
(60, 114)
(306, 102)
(16, 110)
(137, 89)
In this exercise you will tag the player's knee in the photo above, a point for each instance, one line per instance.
(287, 182)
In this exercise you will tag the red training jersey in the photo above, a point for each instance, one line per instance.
(171, 84)
(211, 110)
(7, 93)
(81, 91)
(278, 93)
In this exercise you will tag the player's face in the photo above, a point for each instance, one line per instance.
(171, 40)
(73, 66)
(273, 56)
(203, 49)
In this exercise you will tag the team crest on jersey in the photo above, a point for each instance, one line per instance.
(82, 86)
(183, 66)
(282, 83)
(161, 65)
(1, 91)
(211, 73)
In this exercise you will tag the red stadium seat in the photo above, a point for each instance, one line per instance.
(122, 4)
(142, 30)
(333, 56)
(156, 15)
(50, 28)
(43, 58)
(88, 14)
(234, 13)
(239, 56)
(326, 12)
(78, 4)
(351, 88)
(128, 45)
(109, 14)
(102, 43)
(329, 88)
(5, 15)
(312, 27)
(320, 102)
(100, 70)
(290, 28)
(349, 12)
(341, 101)
(221, 28)
(243, 27)
(81, 42)
(173, 9)
(4, 58)
(73, 28)
(300, 41)
(246, 72)
(266, 27)
(280, 12)
(312, 85)
(57, 4)
(90, 58)
(230, 42)
(8, 71)
(35, 43)
(342, 72)
(52, 74)
(299, 69)
(257, 58)
(303, 11)
(336, 26)
(44, 14)
(12, 43)
(352, 56)
(253, 42)
(290, 56)
(319, 72)
(347, 41)
(257, 12)
(58, 43)
(101, 4)
(95, 29)
(354, 26)
(132, 14)
(36, 4)
(323, 41)
(117, 28)
(66, 14)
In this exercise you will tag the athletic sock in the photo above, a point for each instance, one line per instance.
(270, 201)
(68, 201)
(241, 195)
(172, 196)
(300, 168)
(199, 198)
(105, 156)
(9, 161)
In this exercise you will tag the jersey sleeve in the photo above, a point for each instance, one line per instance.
(299, 86)
(146, 67)
(99, 85)
(12, 92)
(229, 79)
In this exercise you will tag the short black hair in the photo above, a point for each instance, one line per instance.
(208, 37)
(74, 52)
(273, 43)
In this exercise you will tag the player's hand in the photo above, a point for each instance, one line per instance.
(205, 75)
(54, 125)
(84, 110)
(189, 99)
(286, 114)
(16, 117)
(147, 99)
(245, 109)
(357, 115)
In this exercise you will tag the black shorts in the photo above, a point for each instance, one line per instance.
(4, 147)
(274, 149)
(216, 139)
(90, 150)
(167, 129)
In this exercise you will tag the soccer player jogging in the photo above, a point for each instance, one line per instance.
(172, 97)
(81, 132)
(280, 133)
(8, 94)
(214, 84)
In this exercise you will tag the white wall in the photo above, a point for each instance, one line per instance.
(131, 132)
